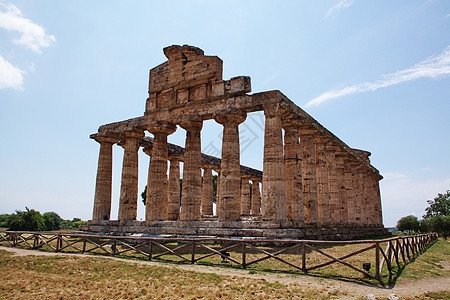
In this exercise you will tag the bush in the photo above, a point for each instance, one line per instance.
(29, 220)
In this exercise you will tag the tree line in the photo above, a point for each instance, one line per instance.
(33, 220)
(435, 219)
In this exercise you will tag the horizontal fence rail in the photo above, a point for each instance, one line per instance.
(384, 253)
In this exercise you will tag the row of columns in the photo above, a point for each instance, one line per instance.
(311, 181)
(305, 179)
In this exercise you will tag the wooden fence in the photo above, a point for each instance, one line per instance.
(387, 255)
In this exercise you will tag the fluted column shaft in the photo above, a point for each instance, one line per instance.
(309, 183)
(191, 197)
(218, 192)
(173, 199)
(245, 195)
(207, 191)
(229, 201)
(102, 198)
(129, 186)
(378, 207)
(273, 202)
(292, 166)
(342, 193)
(349, 191)
(256, 197)
(356, 193)
(322, 182)
(157, 189)
(333, 187)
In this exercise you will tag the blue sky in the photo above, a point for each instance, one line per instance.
(375, 73)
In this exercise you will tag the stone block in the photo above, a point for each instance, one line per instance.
(182, 96)
(218, 89)
(197, 93)
(240, 84)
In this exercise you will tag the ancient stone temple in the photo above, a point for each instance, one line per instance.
(312, 184)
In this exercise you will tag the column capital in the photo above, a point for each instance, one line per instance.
(230, 116)
(207, 166)
(192, 125)
(162, 127)
(105, 139)
(175, 157)
(148, 150)
(255, 179)
(134, 134)
(245, 176)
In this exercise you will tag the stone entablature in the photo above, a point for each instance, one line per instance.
(310, 177)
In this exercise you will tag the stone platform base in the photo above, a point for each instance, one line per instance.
(255, 229)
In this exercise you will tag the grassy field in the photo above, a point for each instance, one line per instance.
(53, 277)
(63, 277)
(333, 271)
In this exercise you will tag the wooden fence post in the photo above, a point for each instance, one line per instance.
(244, 265)
(377, 261)
(303, 257)
(193, 252)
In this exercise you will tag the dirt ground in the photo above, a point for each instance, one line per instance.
(404, 288)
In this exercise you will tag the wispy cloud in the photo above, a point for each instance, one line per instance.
(10, 76)
(338, 6)
(435, 67)
(32, 36)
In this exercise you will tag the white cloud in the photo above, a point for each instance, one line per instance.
(33, 36)
(338, 6)
(433, 67)
(10, 76)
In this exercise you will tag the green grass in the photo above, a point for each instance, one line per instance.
(428, 265)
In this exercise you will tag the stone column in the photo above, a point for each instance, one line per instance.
(365, 203)
(207, 191)
(229, 201)
(378, 207)
(273, 202)
(157, 189)
(356, 193)
(129, 187)
(245, 195)
(102, 198)
(349, 191)
(256, 197)
(322, 182)
(333, 186)
(309, 183)
(217, 191)
(292, 169)
(342, 193)
(173, 199)
(191, 194)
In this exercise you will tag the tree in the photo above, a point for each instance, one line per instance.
(4, 220)
(52, 221)
(408, 223)
(29, 220)
(439, 206)
(439, 224)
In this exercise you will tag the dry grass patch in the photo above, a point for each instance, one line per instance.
(57, 277)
